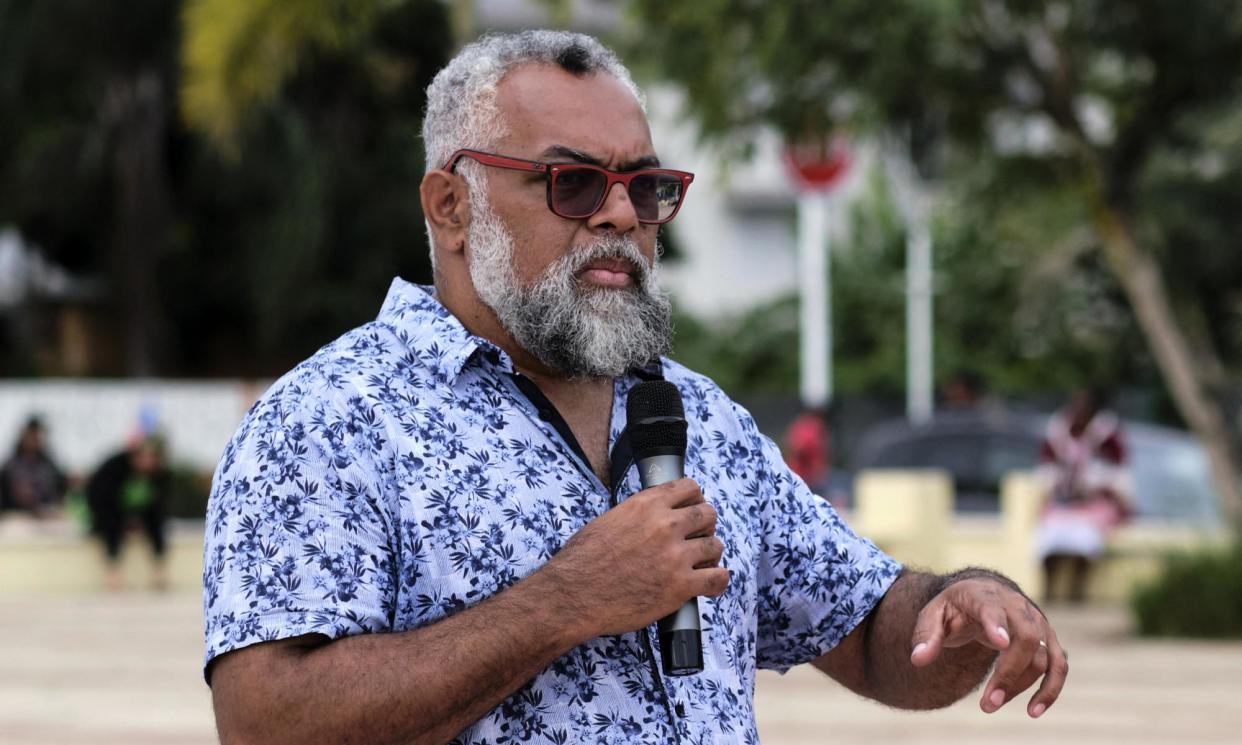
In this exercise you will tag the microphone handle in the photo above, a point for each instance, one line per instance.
(681, 641)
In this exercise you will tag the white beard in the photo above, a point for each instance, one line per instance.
(582, 332)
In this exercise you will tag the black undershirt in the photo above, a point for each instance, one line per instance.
(548, 413)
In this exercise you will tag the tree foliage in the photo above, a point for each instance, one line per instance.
(1110, 107)
(1030, 96)
(1032, 319)
(84, 123)
(238, 55)
(322, 183)
(273, 219)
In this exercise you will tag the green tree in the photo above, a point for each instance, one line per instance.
(239, 55)
(1107, 104)
(86, 99)
(317, 159)
(1031, 319)
(238, 244)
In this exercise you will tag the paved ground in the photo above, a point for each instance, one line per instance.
(104, 669)
(1121, 691)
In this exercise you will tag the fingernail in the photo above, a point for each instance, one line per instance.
(998, 698)
(1038, 710)
(1003, 633)
(918, 648)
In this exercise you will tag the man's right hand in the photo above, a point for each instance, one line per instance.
(642, 559)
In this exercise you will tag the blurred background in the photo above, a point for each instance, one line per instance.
(916, 230)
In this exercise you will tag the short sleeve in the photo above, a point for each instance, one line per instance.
(297, 536)
(817, 579)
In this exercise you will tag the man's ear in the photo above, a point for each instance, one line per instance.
(446, 207)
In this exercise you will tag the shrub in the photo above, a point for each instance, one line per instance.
(1197, 595)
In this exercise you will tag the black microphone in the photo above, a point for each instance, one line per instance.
(656, 421)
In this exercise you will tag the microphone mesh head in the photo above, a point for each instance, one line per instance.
(654, 398)
(656, 418)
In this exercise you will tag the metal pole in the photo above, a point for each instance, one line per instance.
(834, 204)
(814, 328)
(919, 318)
(912, 202)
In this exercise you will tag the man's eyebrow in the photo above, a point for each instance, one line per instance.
(561, 151)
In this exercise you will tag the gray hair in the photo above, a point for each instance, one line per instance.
(461, 100)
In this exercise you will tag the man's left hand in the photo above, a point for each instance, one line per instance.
(987, 612)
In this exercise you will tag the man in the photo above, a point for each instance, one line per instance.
(1087, 486)
(410, 538)
(30, 480)
(807, 446)
(132, 488)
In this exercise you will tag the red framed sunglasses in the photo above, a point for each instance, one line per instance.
(577, 190)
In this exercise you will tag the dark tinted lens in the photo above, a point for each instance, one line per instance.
(576, 191)
(655, 196)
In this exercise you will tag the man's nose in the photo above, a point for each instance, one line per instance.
(616, 213)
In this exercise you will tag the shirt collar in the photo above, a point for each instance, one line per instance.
(439, 340)
(433, 334)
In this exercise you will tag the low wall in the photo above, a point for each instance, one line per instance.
(909, 514)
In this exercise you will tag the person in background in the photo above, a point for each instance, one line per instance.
(808, 444)
(1087, 489)
(128, 489)
(29, 480)
(965, 389)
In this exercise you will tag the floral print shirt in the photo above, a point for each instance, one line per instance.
(400, 475)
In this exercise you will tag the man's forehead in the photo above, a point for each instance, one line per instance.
(547, 109)
(558, 152)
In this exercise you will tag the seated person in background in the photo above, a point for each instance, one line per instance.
(29, 479)
(1087, 489)
(965, 390)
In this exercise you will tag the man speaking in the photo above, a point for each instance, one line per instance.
(418, 535)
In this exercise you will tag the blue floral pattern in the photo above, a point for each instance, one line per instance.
(399, 476)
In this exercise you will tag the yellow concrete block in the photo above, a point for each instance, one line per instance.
(907, 513)
(1021, 500)
(1136, 555)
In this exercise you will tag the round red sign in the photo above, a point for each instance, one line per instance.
(818, 166)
